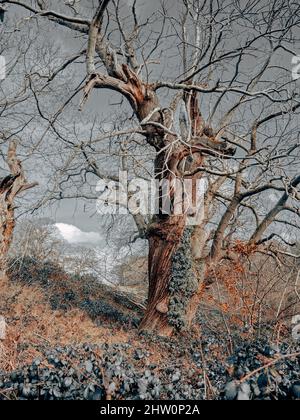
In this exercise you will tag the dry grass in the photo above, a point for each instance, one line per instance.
(32, 325)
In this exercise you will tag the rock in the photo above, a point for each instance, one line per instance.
(26, 391)
(269, 351)
(98, 394)
(197, 356)
(296, 390)
(239, 373)
(256, 391)
(231, 391)
(176, 377)
(275, 348)
(68, 382)
(263, 381)
(244, 392)
(89, 366)
(56, 393)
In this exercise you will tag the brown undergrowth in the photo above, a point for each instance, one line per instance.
(252, 294)
(32, 325)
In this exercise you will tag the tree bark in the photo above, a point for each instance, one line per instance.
(164, 240)
(175, 278)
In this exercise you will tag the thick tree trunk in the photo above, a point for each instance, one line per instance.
(164, 240)
(173, 278)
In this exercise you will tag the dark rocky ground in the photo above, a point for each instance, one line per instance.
(189, 370)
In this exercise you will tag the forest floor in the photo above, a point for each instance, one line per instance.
(60, 344)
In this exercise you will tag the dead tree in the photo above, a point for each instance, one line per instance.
(11, 187)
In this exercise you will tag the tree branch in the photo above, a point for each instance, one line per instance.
(95, 28)
(270, 217)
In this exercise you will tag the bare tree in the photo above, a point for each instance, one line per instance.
(232, 60)
(35, 239)
(10, 187)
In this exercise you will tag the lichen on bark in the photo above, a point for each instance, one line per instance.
(183, 282)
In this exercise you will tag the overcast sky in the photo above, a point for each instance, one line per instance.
(76, 212)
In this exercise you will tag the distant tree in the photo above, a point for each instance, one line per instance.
(35, 239)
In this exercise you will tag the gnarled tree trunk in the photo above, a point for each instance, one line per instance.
(174, 278)
(176, 273)
(10, 187)
(164, 241)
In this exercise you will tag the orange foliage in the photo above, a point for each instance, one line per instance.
(244, 248)
(251, 290)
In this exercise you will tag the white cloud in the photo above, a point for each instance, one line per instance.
(73, 235)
